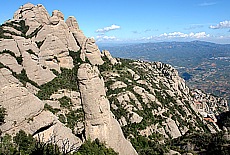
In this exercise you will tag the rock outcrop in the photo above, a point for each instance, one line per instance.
(106, 54)
(55, 83)
(34, 16)
(99, 122)
(26, 112)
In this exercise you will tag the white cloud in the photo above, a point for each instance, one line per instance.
(174, 35)
(184, 35)
(207, 4)
(101, 38)
(109, 28)
(221, 25)
(171, 35)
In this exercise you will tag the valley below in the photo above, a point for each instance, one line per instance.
(203, 65)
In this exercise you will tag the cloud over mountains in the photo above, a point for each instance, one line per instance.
(171, 35)
(221, 25)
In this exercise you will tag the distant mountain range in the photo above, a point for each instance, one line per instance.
(204, 65)
(189, 53)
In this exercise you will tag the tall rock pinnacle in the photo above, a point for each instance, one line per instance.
(99, 121)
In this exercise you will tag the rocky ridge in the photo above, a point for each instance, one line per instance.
(56, 82)
(38, 49)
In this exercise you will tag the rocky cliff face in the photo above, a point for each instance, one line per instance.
(99, 121)
(38, 53)
(54, 81)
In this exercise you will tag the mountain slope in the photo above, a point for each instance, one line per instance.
(56, 83)
(152, 103)
(203, 65)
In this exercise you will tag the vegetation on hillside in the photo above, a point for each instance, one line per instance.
(202, 143)
(155, 143)
(67, 79)
(25, 144)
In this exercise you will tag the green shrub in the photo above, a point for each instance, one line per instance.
(66, 80)
(25, 144)
(2, 114)
(62, 118)
(22, 77)
(1, 65)
(7, 147)
(73, 117)
(95, 148)
(65, 102)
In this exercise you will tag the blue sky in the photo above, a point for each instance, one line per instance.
(141, 20)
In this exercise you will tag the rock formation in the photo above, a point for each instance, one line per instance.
(27, 57)
(55, 82)
(99, 122)
(112, 60)
(26, 112)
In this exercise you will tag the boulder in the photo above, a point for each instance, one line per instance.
(61, 31)
(56, 132)
(11, 29)
(172, 152)
(135, 118)
(35, 71)
(24, 45)
(25, 112)
(77, 33)
(6, 78)
(54, 20)
(32, 89)
(56, 17)
(58, 14)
